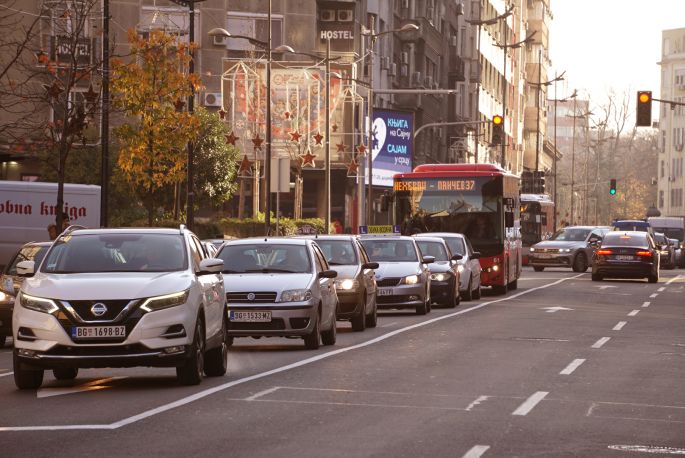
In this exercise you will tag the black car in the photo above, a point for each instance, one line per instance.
(356, 280)
(626, 254)
(666, 250)
(444, 289)
(11, 282)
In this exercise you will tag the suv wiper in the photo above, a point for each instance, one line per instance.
(333, 263)
(229, 271)
(266, 270)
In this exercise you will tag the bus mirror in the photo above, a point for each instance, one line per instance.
(509, 219)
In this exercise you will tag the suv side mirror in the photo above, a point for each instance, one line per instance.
(26, 268)
(370, 265)
(328, 274)
(456, 257)
(475, 255)
(211, 266)
(428, 259)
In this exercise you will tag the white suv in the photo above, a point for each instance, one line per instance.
(120, 298)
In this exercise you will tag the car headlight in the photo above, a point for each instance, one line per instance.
(37, 304)
(4, 297)
(532, 250)
(153, 304)
(411, 279)
(440, 277)
(296, 295)
(346, 284)
(564, 250)
(460, 268)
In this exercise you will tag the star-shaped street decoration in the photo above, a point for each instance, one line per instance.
(308, 159)
(341, 147)
(318, 138)
(53, 91)
(245, 167)
(179, 104)
(222, 114)
(334, 127)
(90, 95)
(231, 138)
(352, 168)
(257, 142)
(295, 136)
(361, 149)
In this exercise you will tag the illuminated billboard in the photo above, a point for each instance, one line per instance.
(392, 146)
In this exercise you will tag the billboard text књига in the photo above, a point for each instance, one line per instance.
(392, 146)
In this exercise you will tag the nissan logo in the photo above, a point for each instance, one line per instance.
(98, 309)
(250, 296)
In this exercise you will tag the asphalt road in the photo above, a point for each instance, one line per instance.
(563, 366)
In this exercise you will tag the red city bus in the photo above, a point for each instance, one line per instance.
(478, 200)
(537, 220)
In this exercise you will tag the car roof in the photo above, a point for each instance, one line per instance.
(326, 237)
(125, 230)
(637, 222)
(268, 240)
(581, 227)
(440, 234)
(30, 244)
(432, 239)
(385, 237)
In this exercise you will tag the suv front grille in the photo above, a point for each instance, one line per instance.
(259, 297)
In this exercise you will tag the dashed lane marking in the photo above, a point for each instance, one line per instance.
(6, 374)
(633, 313)
(219, 388)
(530, 403)
(568, 370)
(648, 449)
(619, 325)
(601, 342)
(653, 295)
(661, 289)
(646, 304)
(476, 451)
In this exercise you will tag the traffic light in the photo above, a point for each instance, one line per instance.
(497, 130)
(539, 182)
(612, 186)
(644, 108)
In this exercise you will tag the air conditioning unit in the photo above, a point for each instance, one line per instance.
(392, 71)
(327, 15)
(385, 62)
(416, 78)
(211, 99)
(405, 57)
(219, 40)
(453, 41)
(428, 82)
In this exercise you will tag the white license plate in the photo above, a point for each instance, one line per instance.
(545, 255)
(251, 317)
(98, 332)
(624, 257)
(385, 291)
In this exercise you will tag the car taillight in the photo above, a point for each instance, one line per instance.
(604, 252)
(644, 253)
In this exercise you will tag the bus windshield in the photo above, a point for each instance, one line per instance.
(468, 205)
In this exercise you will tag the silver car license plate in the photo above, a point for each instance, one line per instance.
(385, 291)
(250, 316)
(624, 257)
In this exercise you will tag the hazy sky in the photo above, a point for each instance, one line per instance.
(605, 44)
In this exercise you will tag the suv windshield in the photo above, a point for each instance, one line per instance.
(252, 258)
(390, 250)
(338, 252)
(570, 235)
(435, 249)
(116, 252)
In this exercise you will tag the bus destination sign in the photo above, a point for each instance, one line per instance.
(436, 185)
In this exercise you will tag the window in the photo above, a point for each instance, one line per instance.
(253, 25)
(661, 199)
(678, 138)
(173, 20)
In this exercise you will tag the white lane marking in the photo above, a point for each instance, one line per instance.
(5, 375)
(607, 286)
(477, 402)
(263, 393)
(389, 324)
(653, 295)
(619, 325)
(554, 309)
(530, 403)
(677, 277)
(93, 385)
(568, 370)
(648, 449)
(601, 342)
(633, 313)
(661, 289)
(216, 389)
(646, 304)
(476, 451)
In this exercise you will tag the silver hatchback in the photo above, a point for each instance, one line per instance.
(278, 287)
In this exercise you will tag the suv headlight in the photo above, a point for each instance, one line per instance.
(166, 301)
(37, 304)
(411, 279)
(346, 284)
(443, 276)
(296, 295)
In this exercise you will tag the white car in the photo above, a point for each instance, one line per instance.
(279, 287)
(120, 298)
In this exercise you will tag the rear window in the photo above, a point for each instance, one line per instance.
(631, 226)
(618, 239)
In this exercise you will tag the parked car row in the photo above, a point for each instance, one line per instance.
(163, 298)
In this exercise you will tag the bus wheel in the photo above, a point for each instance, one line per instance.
(514, 285)
(500, 289)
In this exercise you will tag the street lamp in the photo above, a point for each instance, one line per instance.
(372, 36)
(572, 96)
(265, 45)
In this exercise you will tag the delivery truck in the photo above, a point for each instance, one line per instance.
(28, 207)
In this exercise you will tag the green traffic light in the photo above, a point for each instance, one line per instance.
(612, 192)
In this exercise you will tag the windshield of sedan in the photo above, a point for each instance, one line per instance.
(338, 252)
(265, 258)
(116, 252)
(435, 249)
(390, 250)
(571, 235)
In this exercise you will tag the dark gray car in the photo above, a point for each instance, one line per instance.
(571, 246)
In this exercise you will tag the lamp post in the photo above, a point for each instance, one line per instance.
(372, 36)
(572, 96)
(104, 123)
